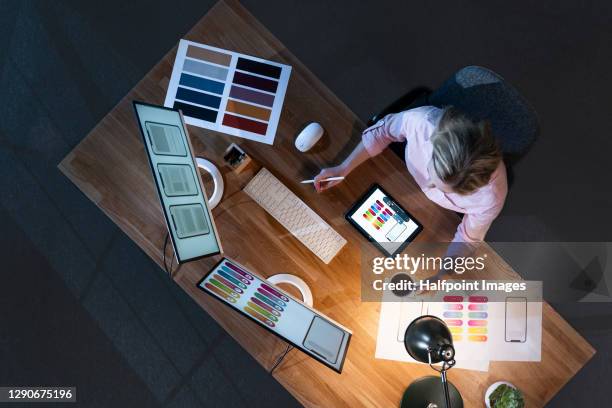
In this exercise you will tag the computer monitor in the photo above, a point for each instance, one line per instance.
(305, 328)
(179, 184)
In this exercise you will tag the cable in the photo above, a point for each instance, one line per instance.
(168, 270)
(164, 252)
(282, 356)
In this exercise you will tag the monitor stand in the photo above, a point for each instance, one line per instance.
(296, 282)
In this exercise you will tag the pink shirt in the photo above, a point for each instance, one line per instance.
(416, 127)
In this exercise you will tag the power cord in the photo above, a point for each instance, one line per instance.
(168, 270)
(281, 357)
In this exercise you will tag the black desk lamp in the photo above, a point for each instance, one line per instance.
(428, 340)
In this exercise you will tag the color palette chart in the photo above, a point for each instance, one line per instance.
(397, 313)
(228, 92)
(265, 304)
(477, 324)
(467, 318)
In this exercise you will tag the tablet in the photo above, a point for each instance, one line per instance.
(379, 218)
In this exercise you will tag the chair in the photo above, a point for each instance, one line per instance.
(482, 95)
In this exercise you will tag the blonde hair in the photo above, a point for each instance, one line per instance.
(465, 154)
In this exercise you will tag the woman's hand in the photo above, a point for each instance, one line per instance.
(337, 171)
(357, 156)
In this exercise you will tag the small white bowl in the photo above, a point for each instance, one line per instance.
(492, 388)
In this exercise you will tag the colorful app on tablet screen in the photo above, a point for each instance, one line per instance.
(382, 220)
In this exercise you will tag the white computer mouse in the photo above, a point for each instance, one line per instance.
(309, 136)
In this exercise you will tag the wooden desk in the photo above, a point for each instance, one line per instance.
(111, 168)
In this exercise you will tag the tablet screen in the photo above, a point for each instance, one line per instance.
(383, 221)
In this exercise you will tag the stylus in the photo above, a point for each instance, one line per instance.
(327, 179)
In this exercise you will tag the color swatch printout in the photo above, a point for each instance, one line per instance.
(477, 325)
(396, 316)
(467, 318)
(305, 328)
(228, 92)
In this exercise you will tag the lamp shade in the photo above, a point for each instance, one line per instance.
(428, 340)
(429, 335)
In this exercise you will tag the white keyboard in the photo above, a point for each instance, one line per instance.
(301, 221)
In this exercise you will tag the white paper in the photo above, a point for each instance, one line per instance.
(489, 331)
(530, 350)
(469, 354)
(395, 318)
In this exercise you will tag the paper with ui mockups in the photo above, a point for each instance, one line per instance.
(467, 318)
(514, 337)
(482, 331)
(305, 328)
(396, 316)
(228, 92)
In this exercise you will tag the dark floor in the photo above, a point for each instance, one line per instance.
(80, 304)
